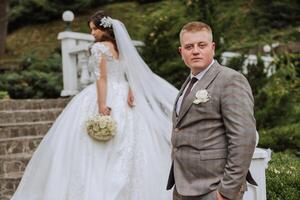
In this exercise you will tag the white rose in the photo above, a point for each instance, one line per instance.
(201, 94)
(201, 97)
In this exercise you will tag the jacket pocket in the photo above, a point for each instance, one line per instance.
(213, 154)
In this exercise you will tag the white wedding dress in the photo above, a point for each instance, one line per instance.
(70, 165)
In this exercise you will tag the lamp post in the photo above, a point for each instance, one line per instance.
(68, 17)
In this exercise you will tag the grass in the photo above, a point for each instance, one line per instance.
(40, 39)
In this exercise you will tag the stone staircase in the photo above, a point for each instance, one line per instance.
(23, 124)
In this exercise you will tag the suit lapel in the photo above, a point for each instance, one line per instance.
(202, 84)
(179, 94)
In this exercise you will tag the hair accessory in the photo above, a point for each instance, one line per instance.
(106, 22)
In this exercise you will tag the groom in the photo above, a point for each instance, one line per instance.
(214, 129)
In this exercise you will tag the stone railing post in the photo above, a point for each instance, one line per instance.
(258, 166)
(69, 42)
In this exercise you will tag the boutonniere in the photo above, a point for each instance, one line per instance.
(202, 96)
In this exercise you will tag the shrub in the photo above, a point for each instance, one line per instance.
(4, 95)
(275, 14)
(162, 42)
(277, 101)
(33, 84)
(283, 177)
(38, 79)
(281, 138)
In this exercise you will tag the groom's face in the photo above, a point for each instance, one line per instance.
(197, 50)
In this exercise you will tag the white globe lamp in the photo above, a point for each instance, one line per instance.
(68, 17)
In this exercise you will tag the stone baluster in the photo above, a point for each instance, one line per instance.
(83, 65)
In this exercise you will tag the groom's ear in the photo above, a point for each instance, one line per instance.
(179, 50)
(213, 48)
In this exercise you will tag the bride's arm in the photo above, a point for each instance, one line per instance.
(102, 88)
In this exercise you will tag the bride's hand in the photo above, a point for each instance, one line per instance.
(220, 197)
(130, 99)
(104, 110)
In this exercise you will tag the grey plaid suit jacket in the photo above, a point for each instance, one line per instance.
(213, 142)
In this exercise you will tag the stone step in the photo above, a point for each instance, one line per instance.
(24, 129)
(29, 115)
(33, 104)
(14, 163)
(25, 144)
(23, 124)
(9, 184)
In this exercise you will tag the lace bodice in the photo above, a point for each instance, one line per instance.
(115, 71)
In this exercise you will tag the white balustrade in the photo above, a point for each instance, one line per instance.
(250, 60)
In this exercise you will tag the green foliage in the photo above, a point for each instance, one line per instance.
(283, 177)
(162, 42)
(38, 79)
(39, 11)
(276, 14)
(277, 102)
(295, 59)
(52, 64)
(4, 95)
(162, 39)
(147, 1)
(277, 107)
(33, 84)
(281, 138)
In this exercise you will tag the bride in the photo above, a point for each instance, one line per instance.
(134, 165)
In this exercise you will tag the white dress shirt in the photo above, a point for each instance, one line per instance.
(198, 76)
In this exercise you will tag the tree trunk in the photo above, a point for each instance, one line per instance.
(3, 24)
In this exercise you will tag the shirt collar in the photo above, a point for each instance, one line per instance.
(201, 74)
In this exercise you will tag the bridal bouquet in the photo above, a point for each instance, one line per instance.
(101, 128)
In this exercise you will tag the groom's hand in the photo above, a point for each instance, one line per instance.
(220, 197)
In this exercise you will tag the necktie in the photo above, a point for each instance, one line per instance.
(192, 82)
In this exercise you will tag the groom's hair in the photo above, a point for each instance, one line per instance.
(194, 27)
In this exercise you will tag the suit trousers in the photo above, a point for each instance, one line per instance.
(209, 196)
